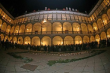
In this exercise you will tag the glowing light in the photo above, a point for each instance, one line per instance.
(103, 21)
(95, 28)
(41, 42)
(27, 29)
(26, 42)
(44, 20)
(97, 39)
(61, 27)
(91, 18)
(3, 15)
(108, 35)
(61, 42)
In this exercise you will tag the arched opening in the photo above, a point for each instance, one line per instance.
(84, 28)
(28, 28)
(57, 27)
(46, 27)
(15, 40)
(12, 30)
(2, 37)
(20, 40)
(95, 26)
(4, 27)
(22, 28)
(108, 33)
(90, 28)
(78, 40)
(92, 39)
(36, 28)
(103, 36)
(0, 23)
(57, 40)
(36, 41)
(27, 40)
(76, 27)
(16, 29)
(46, 40)
(108, 13)
(6, 38)
(67, 27)
(68, 40)
(99, 23)
(105, 19)
(8, 29)
(10, 39)
(97, 38)
(85, 39)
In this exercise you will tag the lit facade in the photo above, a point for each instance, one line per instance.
(60, 28)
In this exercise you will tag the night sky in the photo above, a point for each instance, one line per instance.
(18, 7)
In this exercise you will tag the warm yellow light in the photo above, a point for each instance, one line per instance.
(61, 42)
(103, 21)
(26, 43)
(95, 28)
(44, 20)
(91, 18)
(8, 29)
(27, 29)
(108, 36)
(4, 16)
(97, 39)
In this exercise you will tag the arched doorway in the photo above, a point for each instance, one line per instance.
(15, 40)
(92, 39)
(22, 28)
(76, 27)
(46, 40)
(57, 27)
(67, 28)
(4, 27)
(36, 41)
(84, 28)
(20, 40)
(57, 40)
(95, 27)
(78, 40)
(97, 38)
(105, 19)
(85, 39)
(100, 23)
(27, 40)
(103, 36)
(68, 40)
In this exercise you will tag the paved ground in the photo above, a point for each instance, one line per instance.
(96, 64)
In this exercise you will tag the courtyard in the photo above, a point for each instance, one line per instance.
(96, 64)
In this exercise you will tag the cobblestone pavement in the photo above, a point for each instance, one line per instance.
(96, 64)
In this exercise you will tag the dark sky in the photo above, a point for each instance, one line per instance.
(18, 7)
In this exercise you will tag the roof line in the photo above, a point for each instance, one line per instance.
(95, 7)
(6, 11)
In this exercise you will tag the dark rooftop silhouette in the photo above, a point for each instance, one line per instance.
(18, 7)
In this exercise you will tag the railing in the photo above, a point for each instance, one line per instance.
(49, 32)
(58, 32)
